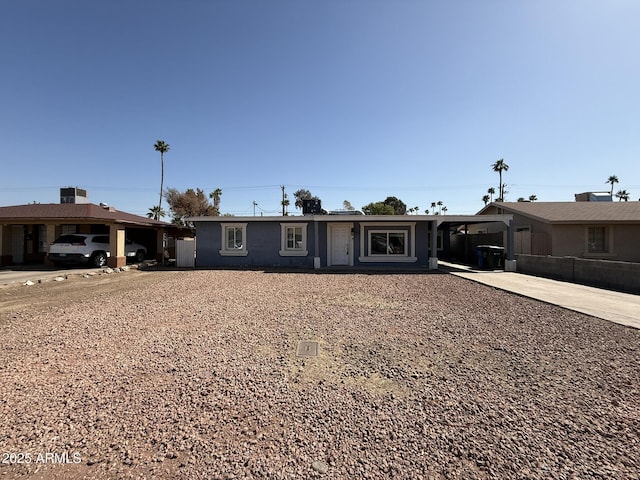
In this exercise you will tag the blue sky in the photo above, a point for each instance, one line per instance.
(354, 99)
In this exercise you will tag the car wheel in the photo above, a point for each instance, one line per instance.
(99, 259)
(140, 256)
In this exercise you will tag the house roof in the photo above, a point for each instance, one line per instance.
(72, 211)
(570, 212)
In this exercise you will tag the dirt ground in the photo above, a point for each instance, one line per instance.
(174, 374)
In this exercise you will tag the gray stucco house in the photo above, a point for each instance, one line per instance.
(319, 241)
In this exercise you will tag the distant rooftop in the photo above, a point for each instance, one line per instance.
(594, 197)
(67, 211)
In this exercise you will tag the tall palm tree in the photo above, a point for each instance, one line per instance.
(499, 167)
(440, 205)
(491, 191)
(162, 147)
(485, 199)
(433, 206)
(612, 179)
(532, 198)
(623, 195)
(444, 210)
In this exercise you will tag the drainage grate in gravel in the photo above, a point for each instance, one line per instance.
(307, 348)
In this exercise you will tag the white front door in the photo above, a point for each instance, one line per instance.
(340, 244)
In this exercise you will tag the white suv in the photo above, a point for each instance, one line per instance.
(89, 248)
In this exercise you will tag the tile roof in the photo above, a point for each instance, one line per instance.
(570, 212)
(67, 211)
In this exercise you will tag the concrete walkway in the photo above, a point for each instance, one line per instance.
(622, 308)
(38, 275)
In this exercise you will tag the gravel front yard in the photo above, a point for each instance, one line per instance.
(194, 375)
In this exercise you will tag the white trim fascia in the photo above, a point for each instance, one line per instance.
(389, 259)
(232, 253)
(293, 253)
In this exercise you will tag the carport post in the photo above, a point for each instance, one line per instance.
(510, 263)
(316, 248)
(433, 259)
(160, 233)
(51, 237)
(117, 256)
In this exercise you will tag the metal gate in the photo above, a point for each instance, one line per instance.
(186, 253)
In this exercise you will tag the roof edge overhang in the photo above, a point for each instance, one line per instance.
(594, 222)
(440, 219)
(77, 220)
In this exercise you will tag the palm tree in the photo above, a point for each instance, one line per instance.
(499, 166)
(156, 213)
(444, 210)
(413, 209)
(440, 205)
(162, 147)
(433, 205)
(216, 194)
(623, 195)
(612, 179)
(532, 198)
(491, 192)
(485, 199)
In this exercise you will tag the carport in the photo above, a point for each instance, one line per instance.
(462, 245)
(27, 230)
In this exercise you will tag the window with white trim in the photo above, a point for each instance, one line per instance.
(388, 242)
(234, 239)
(293, 239)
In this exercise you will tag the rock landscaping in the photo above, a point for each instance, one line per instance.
(197, 375)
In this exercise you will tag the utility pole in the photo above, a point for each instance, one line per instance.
(284, 198)
(254, 208)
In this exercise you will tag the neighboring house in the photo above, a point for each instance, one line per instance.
(27, 230)
(318, 241)
(593, 229)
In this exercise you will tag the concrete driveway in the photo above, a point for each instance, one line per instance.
(622, 308)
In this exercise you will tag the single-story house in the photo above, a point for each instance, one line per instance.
(319, 241)
(592, 230)
(27, 230)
